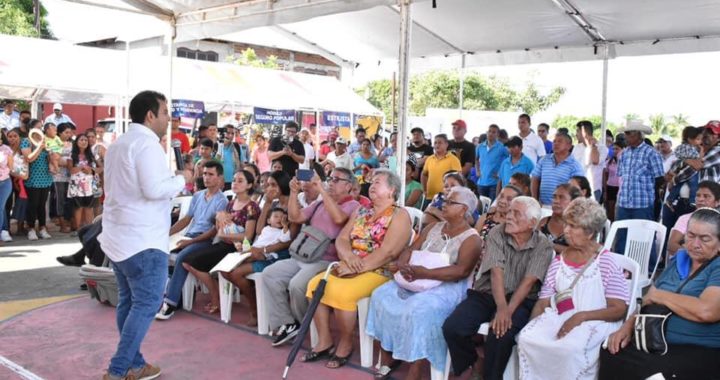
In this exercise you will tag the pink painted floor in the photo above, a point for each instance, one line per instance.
(75, 339)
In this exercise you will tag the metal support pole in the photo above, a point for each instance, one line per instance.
(604, 96)
(404, 92)
(461, 92)
(171, 46)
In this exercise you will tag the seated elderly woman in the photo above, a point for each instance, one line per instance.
(708, 195)
(583, 300)
(409, 324)
(364, 254)
(433, 213)
(693, 329)
(553, 226)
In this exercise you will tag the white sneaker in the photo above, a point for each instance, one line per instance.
(44, 234)
(5, 236)
(32, 235)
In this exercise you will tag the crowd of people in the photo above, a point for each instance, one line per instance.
(543, 283)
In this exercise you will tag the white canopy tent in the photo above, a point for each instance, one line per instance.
(456, 33)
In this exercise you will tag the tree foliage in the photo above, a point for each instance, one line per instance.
(248, 57)
(17, 18)
(440, 89)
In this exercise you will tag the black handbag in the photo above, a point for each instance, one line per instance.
(651, 322)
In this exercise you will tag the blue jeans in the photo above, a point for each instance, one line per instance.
(622, 213)
(5, 191)
(140, 287)
(488, 191)
(174, 287)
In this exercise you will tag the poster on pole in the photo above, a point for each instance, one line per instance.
(336, 119)
(273, 117)
(193, 109)
(371, 123)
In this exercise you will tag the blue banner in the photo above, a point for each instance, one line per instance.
(273, 117)
(188, 108)
(336, 119)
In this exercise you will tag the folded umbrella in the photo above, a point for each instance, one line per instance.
(307, 319)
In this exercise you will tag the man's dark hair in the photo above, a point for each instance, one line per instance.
(359, 129)
(543, 125)
(24, 112)
(417, 129)
(202, 128)
(142, 103)
(522, 178)
(347, 173)
(526, 117)
(565, 136)
(206, 142)
(713, 187)
(292, 124)
(494, 126)
(443, 136)
(608, 133)
(216, 165)
(587, 125)
(502, 134)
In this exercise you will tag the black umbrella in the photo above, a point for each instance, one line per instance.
(307, 319)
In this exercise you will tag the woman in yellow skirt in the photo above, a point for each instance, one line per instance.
(372, 238)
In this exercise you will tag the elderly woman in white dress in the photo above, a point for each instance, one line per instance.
(583, 299)
(408, 324)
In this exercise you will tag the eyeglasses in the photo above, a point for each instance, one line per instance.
(337, 179)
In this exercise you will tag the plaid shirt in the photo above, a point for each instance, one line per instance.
(683, 171)
(638, 167)
(711, 165)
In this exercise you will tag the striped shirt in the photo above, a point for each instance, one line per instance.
(613, 280)
(551, 174)
(532, 260)
(682, 170)
(638, 167)
(711, 165)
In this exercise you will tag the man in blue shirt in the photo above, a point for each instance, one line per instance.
(490, 154)
(554, 169)
(641, 168)
(543, 131)
(516, 163)
(229, 157)
(200, 223)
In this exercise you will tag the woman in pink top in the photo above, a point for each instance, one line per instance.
(708, 195)
(260, 154)
(611, 180)
(6, 162)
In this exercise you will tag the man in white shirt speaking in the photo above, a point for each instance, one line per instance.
(136, 219)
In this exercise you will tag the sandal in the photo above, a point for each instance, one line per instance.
(213, 309)
(313, 356)
(385, 370)
(336, 362)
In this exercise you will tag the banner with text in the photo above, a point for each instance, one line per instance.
(336, 119)
(274, 117)
(188, 108)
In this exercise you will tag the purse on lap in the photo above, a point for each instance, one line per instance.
(427, 259)
(651, 322)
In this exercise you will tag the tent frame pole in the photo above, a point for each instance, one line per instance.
(404, 91)
(461, 90)
(604, 95)
(171, 46)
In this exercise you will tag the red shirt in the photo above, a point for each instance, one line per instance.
(184, 141)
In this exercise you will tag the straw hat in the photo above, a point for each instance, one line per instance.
(636, 126)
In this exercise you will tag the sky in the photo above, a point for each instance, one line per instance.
(668, 84)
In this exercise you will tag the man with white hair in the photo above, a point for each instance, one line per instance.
(504, 293)
(58, 116)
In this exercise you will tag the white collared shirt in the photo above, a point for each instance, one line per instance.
(58, 120)
(9, 122)
(533, 147)
(138, 189)
(593, 173)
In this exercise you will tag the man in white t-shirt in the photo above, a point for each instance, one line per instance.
(9, 118)
(305, 138)
(533, 146)
(591, 156)
(340, 158)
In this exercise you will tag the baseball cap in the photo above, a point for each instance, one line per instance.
(514, 141)
(460, 123)
(664, 138)
(417, 129)
(341, 140)
(57, 106)
(714, 126)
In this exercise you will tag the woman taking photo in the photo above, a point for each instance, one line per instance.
(693, 329)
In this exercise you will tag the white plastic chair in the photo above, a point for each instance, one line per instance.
(229, 294)
(602, 236)
(485, 203)
(416, 217)
(184, 204)
(639, 244)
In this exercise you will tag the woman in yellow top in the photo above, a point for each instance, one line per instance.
(364, 254)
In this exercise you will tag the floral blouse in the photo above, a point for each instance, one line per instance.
(367, 234)
(250, 211)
